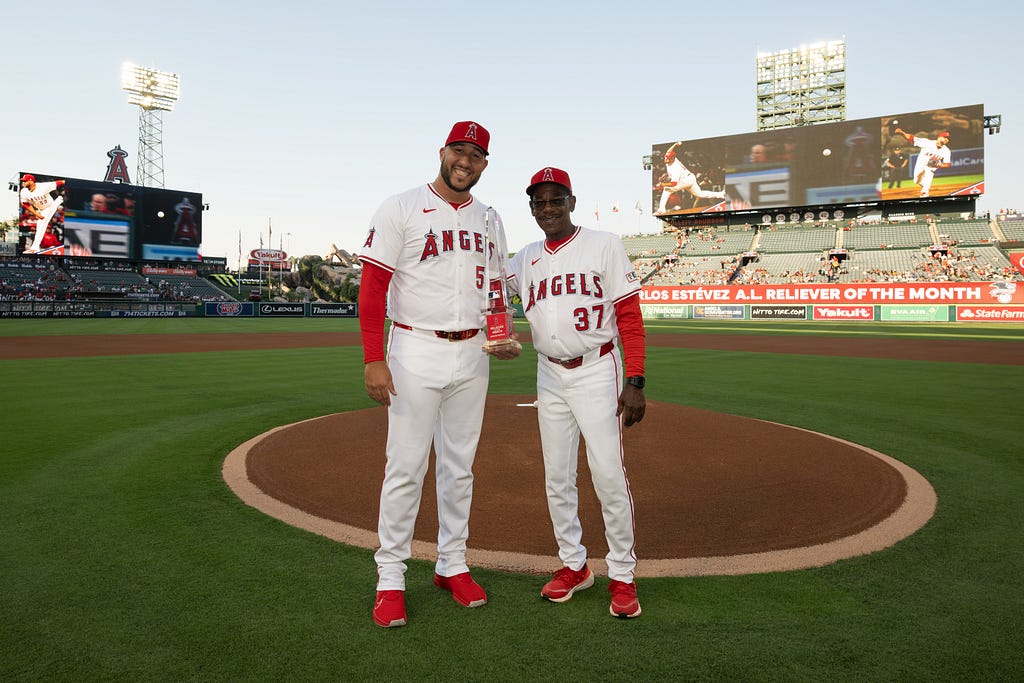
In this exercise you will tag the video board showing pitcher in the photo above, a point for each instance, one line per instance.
(899, 157)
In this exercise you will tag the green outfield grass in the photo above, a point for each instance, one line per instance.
(124, 556)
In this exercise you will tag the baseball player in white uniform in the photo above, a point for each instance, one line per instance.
(38, 207)
(580, 295)
(934, 154)
(681, 179)
(424, 256)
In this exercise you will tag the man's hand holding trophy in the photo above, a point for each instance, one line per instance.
(501, 338)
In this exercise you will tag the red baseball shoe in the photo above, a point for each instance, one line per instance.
(566, 583)
(624, 603)
(465, 590)
(389, 609)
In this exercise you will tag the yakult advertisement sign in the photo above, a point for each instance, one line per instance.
(861, 293)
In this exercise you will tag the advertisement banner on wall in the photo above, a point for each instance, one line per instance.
(1001, 314)
(839, 313)
(718, 312)
(778, 312)
(1017, 259)
(939, 314)
(328, 310)
(229, 309)
(652, 312)
(274, 309)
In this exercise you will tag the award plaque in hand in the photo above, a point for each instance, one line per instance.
(499, 319)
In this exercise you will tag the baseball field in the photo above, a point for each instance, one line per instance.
(124, 555)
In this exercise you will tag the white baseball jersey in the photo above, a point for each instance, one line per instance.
(39, 199)
(436, 255)
(569, 294)
(930, 156)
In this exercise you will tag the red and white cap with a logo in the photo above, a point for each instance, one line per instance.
(469, 131)
(549, 174)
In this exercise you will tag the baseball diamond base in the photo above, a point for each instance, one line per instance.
(713, 493)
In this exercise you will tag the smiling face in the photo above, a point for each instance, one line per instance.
(551, 205)
(462, 164)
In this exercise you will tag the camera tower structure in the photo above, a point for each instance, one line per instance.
(154, 92)
(802, 86)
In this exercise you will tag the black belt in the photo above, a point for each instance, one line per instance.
(578, 360)
(458, 335)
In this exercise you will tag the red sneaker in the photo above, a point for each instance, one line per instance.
(465, 590)
(567, 582)
(624, 602)
(389, 609)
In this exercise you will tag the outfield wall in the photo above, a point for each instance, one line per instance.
(138, 309)
(879, 302)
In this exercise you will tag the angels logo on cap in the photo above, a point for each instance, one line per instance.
(549, 174)
(469, 131)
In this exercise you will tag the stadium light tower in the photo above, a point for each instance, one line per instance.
(154, 92)
(802, 86)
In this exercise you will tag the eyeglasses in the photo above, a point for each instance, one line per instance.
(556, 203)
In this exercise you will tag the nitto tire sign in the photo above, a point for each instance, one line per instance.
(324, 310)
(778, 313)
(279, 310)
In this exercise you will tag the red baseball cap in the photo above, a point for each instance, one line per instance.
(469, 131)
(549, 174)
(944, 134)
(28, 177)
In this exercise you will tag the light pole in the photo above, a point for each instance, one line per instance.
(154, 92)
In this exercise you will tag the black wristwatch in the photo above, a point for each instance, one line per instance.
(637, 381)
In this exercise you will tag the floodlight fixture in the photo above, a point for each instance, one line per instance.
(801, 86)
(150, 88)
(154, 92)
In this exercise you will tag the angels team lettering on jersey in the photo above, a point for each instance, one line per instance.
(576, 286)
(39, 199)
(436, 255)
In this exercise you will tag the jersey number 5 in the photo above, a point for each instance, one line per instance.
(582, 316)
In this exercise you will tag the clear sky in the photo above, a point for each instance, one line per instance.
(307, 115)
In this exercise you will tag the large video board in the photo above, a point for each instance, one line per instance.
(893, 158)
(61, 216)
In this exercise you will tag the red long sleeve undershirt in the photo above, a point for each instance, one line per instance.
(373, 293)
(631, 332)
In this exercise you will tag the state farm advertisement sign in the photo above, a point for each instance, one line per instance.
(989, 314)
(832, 294)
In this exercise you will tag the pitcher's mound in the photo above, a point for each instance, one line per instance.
(713, 493)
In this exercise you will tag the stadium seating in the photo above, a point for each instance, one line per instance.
(708, 242)
(891, 235)
(809, 239)
(965, 232)
(1013, 230)
(649, 245)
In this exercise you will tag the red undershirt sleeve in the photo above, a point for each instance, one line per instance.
(631, 332)
(373, 291)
